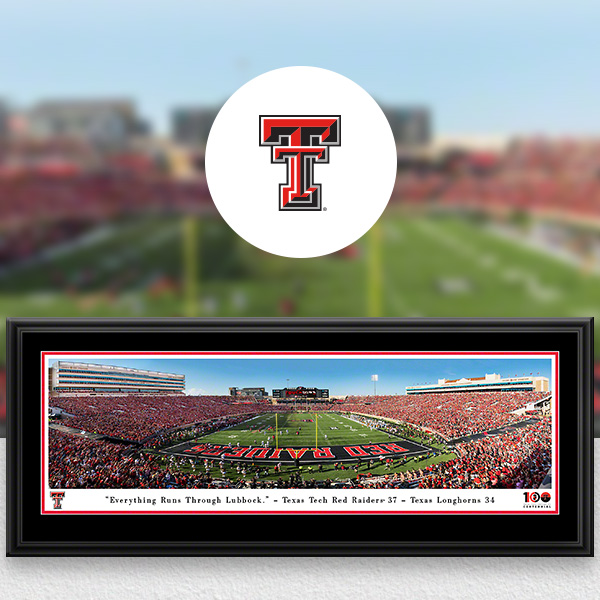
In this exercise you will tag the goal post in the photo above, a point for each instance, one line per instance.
(190, 250)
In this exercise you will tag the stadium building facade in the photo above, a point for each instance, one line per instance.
(113, 123)
(257, 392)
(85, 378)
(490, 383)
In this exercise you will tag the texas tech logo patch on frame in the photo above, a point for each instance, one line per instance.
(300, 142)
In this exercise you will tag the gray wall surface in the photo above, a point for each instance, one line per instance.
(291, 578)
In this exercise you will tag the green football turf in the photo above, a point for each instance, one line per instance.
(444, 266)
(340, 430)
(326, 429)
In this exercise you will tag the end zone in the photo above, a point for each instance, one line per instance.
(398, 448)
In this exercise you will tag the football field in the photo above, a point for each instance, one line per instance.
(330, 445)
(300, 430)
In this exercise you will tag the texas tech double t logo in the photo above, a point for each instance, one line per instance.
(300, 142)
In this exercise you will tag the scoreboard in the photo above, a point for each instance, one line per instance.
(301, 393)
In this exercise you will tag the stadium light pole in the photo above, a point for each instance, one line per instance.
(374, 379)
(287, 386)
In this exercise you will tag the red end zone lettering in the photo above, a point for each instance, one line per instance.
(258, 453)
(237, 453)
(322, 453)
(355, 451)
(215, 451)
(273, 454)
(377, 449)
(196, 448)
(394, 448)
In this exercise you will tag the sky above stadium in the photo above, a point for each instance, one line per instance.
(499, 66)
(341, 376)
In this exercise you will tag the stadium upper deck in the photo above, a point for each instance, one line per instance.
(490, 383)
(85, 378)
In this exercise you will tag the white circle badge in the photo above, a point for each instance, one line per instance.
(301, 162)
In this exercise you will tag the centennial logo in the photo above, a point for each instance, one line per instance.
(535, 497)
(300, 142)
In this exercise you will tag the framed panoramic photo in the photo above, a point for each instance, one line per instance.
(299, 437)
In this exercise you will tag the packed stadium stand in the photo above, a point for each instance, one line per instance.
(39, 210)
(535, 175)
(136, 417)
(78, 462)
(517, 459)
(452, 415)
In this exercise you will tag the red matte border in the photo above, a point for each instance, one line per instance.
(291, 353)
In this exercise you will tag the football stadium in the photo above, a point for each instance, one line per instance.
(469, 437)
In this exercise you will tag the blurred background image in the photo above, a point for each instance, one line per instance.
(105, 112)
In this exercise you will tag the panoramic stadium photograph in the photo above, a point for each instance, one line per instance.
(296, 421)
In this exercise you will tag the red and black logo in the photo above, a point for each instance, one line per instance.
(300, 142)
(536, 497)
(57, 497)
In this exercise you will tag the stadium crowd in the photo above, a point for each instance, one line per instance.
(452, 415)
(534, 175)
(137, 417)
(515, 459)
(38, 212)
(79, 462)
(96, 197)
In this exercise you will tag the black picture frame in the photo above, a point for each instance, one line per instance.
(567, 533)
